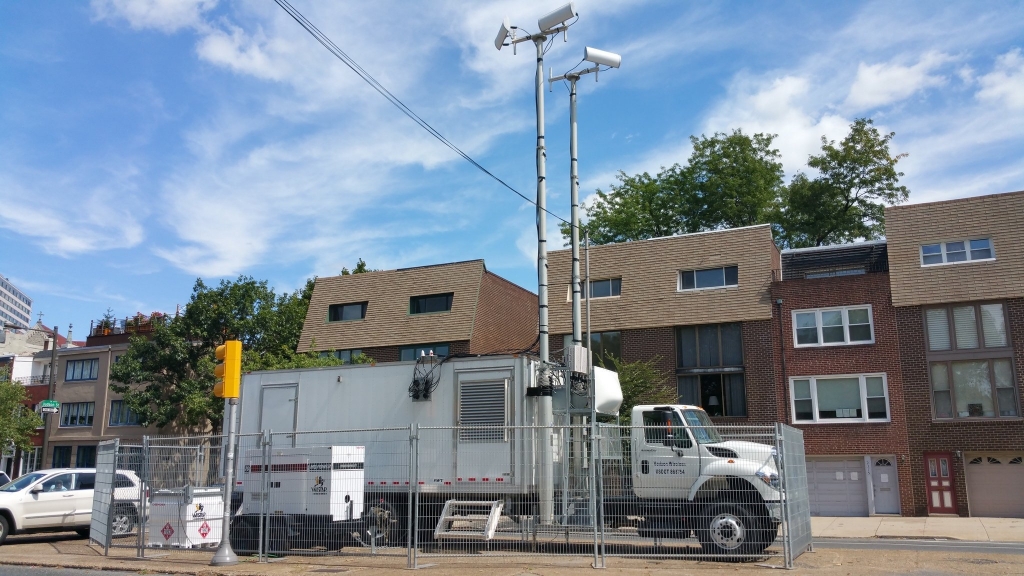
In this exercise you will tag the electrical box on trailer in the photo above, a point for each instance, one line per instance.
(319, 480)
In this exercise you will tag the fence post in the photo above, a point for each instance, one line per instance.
(412, 523)
(143, 525)
(266, 443)
(780, 443)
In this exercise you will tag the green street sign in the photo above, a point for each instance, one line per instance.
(49, 406)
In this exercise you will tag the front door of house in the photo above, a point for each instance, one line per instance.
(938, 470)
(883, 481)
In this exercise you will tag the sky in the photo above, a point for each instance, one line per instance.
(148, 143)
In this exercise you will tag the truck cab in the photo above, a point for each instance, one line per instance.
(687, 476)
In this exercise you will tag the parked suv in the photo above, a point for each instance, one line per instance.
(60, 500)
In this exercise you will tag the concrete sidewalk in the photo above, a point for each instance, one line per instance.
(951, 528)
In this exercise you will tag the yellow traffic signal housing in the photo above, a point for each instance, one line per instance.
(228, 370)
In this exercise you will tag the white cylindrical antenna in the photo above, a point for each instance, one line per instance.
(557, 17)
(601, 57)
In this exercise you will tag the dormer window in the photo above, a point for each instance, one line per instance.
(709, 278)
(970, 250)
(431, 303)
(346, 312)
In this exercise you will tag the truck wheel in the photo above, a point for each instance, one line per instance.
(5, 528)
(728, 530)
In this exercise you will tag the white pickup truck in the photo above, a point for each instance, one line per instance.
(686, 477)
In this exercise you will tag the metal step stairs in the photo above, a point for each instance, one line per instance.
(473, 519)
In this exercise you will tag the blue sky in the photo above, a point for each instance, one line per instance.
(145, 143)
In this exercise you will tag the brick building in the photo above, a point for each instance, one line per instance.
(840, 374)
(396, 315)
(957, 273)
(699, 303)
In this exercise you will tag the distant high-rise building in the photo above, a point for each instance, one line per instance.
(15, 306)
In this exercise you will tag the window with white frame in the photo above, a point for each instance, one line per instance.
(833, 326)
(829, 399)
(957, 251)
(709, 278)
(609, 288)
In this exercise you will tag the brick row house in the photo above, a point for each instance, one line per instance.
(839, 369)
(958, 290)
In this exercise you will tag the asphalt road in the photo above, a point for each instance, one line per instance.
(920, 545)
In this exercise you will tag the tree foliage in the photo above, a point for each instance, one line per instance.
(732, 180)
(846, 201)
(168, 379)
(360, 268)
(642, 383)
(17, 422)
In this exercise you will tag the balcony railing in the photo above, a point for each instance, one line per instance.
(138, 324)
(32, 380)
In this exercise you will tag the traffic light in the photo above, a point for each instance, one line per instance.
(228, 370)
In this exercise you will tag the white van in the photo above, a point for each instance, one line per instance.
(60, 500)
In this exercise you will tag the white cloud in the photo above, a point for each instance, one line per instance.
(67, 217)
(885, 83)
(1005, 84)
(164, 15)
(783, 105)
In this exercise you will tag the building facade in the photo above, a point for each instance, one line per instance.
(399, 315)
(89, 411)
(15, 305)
(841, 376)
(697, 304)
(957, 273)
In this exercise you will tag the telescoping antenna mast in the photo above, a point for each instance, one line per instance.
(550, 25)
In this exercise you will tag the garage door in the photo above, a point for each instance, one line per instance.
(837, 487)
(995, 485)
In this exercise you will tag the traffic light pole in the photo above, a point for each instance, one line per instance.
(225, 555)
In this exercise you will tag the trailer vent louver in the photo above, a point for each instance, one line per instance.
(482, 407)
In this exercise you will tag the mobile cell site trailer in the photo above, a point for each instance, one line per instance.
(476, 418)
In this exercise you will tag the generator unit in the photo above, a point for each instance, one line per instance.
(321, 481)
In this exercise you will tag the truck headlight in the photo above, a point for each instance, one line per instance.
(769, 478)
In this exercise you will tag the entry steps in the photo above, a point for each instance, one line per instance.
(476, 519)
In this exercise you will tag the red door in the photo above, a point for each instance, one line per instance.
(938, 470)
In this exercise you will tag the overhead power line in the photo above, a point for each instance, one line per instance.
(355, 67)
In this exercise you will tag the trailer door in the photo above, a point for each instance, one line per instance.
(278, 408)
(484, 454)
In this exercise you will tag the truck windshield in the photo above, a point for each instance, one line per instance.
(22, 482)
(702, 427)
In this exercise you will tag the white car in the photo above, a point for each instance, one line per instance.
(60, 500)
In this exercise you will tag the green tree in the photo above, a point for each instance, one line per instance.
(360, 268)
(168, 379)
(17, 422)
(729, 180)
(846, 201)
(642, 383)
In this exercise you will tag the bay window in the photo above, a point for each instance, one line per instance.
(970, 362)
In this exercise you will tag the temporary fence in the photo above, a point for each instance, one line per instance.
(657, 488)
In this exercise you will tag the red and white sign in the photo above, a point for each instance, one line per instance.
(167, 531)
(204, 530)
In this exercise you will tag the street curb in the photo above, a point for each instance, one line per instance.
(177, 569)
